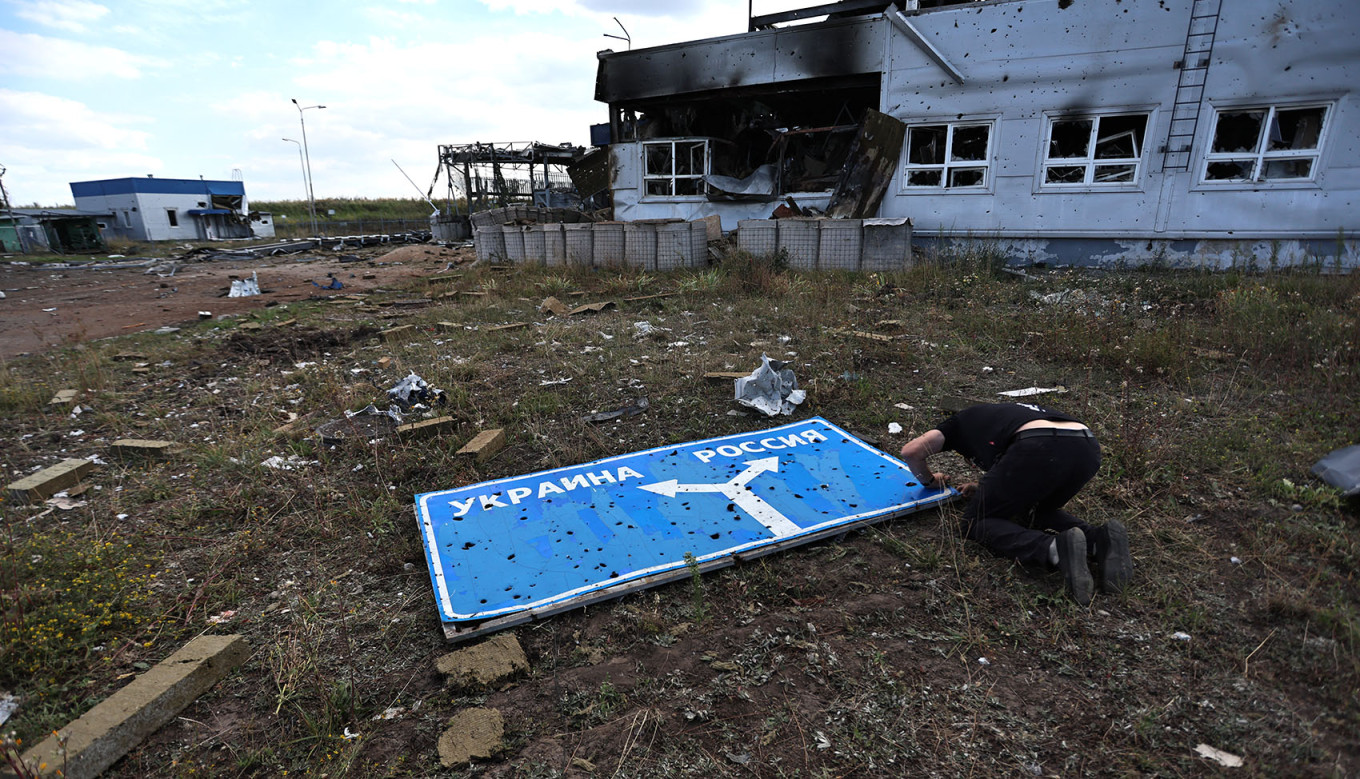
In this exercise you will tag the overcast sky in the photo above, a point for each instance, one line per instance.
(95, 90)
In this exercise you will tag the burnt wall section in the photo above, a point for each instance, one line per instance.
(833, 49)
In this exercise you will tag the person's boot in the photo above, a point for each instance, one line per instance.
(1072, 562)
(1110, 544)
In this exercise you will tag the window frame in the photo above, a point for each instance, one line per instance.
(672, 177)
(1090, 162)
(172, 215)
(948, 165)
(1261, 155)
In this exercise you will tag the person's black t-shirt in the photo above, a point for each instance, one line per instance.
(982, 433)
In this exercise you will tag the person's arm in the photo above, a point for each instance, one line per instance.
(915, 452)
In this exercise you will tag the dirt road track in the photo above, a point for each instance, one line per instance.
(46, 307)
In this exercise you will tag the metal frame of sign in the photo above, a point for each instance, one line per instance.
(726, 468)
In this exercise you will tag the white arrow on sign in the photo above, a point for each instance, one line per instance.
(737, 491)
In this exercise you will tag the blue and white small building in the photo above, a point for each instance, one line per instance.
(152, 209)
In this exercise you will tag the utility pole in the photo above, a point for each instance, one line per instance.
(307, 161)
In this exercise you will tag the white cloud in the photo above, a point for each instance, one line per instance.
(70, 15)
(39, 56)
(51, 141)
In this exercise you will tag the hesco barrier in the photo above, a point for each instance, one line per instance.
(661, 245)
(830, 244)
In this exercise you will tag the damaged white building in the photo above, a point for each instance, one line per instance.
(1087, 132)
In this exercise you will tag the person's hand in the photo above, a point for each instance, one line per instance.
(939, 480)
(968, 489)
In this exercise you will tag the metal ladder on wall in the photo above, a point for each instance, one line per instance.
(1194, 70)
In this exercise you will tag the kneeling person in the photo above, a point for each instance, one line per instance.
(1035, 460)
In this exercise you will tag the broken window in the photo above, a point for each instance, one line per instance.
(950, 156)
(1095, 149)
(1267, 143)
(173, 216)
(675, 168)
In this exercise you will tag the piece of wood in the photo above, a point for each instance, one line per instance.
(447, 326)
(250, 326)
(286, 323)
(511, 326)
(399, 330)
(427, 427)
(863, 334)
(141, 447)
(484, 445)
(384, 362)
(651, 297)
(48, 481)
(725, 375)
(118, 724)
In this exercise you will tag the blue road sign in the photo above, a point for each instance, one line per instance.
(506, 551)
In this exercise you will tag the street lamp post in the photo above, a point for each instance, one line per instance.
(306, 184)
(307, 160)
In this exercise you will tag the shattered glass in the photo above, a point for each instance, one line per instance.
(924, 178)
(1296, 129)
(1114, 174)
(1287, 169)
(925, 145)
(1230, 170)
(970, 143)
(967, 177)
(1068, 139)
(1065, 174)
(658, 159)
(1238, 131)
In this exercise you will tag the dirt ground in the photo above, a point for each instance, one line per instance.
(50, 304)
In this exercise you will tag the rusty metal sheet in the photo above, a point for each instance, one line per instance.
(866, 175)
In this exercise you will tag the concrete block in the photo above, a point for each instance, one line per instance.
(511, 326)
(473, 733)
(428, 427)
(64, 397)
(49, 481)
(400, 331)
(485, 665)
(118, 724)
(139, 447)
(487, 443)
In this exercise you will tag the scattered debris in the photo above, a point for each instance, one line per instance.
(218, 619)
(894, 428)
(64, 502)
(728, 375)
(364, 424)
(770, 389)
(9, 704)
(554, 382)
(485, 665)
(167, 330)
(624, 412)
(49, 481)
(554, 307)
(591, 308)
(289, 463)
(1341, 469)
(244, 288)
(511, 326)
(472, 733)
(398, 330)
(1226, 759)
(1180, 636)
(64, 397)
(334, 283)
(484, 444)
(1026, 392)
(412, 390)
(205, 315)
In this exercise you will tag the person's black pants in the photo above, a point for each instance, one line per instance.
(1024, 492)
